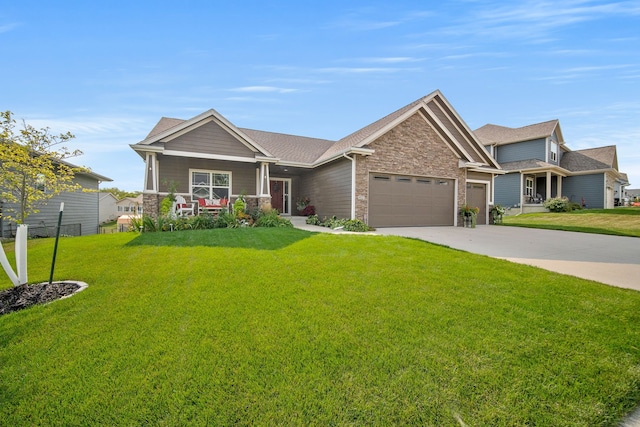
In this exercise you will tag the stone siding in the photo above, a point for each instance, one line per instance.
(151, 204)
(411, 148)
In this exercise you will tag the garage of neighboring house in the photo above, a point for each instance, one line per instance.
(410, 201)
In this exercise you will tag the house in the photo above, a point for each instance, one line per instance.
(538, 165)
(108, 211)
(80, 216)
(130, 206)
(413, 167)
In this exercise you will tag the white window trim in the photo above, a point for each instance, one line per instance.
(209, 171)
(527, 180)
(553, 155)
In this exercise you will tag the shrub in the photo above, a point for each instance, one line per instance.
(313, 220)
(271, 218)
(344, 223)
(557, 204)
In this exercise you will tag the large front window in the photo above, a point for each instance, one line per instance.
(210, 184)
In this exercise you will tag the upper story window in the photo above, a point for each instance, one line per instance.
(553, 152)
(210, 184)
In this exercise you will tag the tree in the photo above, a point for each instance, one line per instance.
(120, 194)
(33, 167)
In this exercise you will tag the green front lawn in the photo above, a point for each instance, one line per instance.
(618, 221)
(284, 327)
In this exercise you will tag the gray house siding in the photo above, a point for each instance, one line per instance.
(176, 170)
(81, 213)
(534, 149)
(329, 189)
(507, 189)
(209, 139)
(587, 187)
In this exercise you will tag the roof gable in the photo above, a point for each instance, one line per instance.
(590, 159)
(490, 134)
(437, 111)
(168, 129)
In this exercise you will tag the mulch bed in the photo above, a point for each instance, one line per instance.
(24, 296)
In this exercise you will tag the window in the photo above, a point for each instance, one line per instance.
(40, 182)
(210, 184)
(554, 151)
(529, 186)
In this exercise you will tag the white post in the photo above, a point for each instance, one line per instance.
(21, 253)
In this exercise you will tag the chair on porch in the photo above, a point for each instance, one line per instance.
(537, 199)
(182, 208)
(212, 205)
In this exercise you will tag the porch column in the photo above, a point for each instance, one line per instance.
(264, 179)
(559, 187)
(548, 194)
(151, 173)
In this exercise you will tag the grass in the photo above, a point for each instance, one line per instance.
(284, 327)
(618, 221)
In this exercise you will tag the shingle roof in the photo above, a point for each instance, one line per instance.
(165, 123)
(526, 164)
(360, 135)
(292, 148)
(590, 159)
(494, 134)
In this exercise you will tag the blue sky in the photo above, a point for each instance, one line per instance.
(107, 71)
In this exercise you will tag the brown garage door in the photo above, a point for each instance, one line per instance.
(477, 196)
(410, 201)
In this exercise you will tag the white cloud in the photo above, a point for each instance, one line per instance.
(5, 28)
(263, 89)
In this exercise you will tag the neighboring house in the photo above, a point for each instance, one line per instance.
(130, 206)
(539, 166)
(108, 211)
(414, 167)
(80, 216)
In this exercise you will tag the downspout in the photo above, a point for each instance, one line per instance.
(353, 185)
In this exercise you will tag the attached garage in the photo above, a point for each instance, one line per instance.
(477, 196)
(410, 201)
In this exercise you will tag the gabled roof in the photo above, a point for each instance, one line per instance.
(439, 113)
(309, 152)
(168, 128)
(590, 159)
(532, 165)
(493, 134)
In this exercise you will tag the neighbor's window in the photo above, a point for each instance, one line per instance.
(529, 186)
(40, 182)
(210, 184)
(554, 151)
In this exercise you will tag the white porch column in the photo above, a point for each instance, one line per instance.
(264, 179)
(559, 187)
(548, 185)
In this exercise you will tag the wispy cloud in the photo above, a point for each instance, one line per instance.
(365, 70)
(5, 28)
(391, 60)
(535, 19)
(366, 19)
(263, 89)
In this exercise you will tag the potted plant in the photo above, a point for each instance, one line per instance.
(496, 213)
(470, 215)
(301, 204)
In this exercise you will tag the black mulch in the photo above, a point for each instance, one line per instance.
(25, 296)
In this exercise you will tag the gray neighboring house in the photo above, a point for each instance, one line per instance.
(539, 166)
(81, 211)
(413, 167)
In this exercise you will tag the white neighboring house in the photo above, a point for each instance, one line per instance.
(108, 210)
(131, 206)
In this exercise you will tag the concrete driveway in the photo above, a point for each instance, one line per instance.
(613, 260)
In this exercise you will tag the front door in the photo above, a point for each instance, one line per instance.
(280, 199)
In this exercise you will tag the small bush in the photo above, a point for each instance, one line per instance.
(557, 204)
(271, 218)
(308, 210)
(343, 223)
(313, 220)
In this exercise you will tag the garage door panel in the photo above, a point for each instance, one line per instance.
(401, 200)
